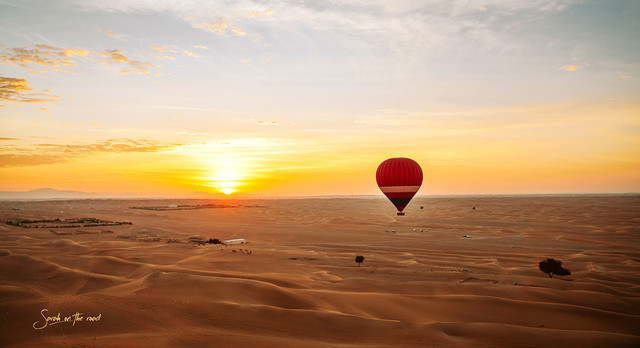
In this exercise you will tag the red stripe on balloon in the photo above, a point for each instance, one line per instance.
(399, 171)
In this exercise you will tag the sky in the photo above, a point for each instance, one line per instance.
(297, 98)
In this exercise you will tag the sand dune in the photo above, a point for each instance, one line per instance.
(296, 284)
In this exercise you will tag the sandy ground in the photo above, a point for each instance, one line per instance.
(296, 283)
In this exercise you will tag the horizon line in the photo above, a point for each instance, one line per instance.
(128, 196)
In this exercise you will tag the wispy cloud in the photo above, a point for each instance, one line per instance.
(163, 52)
(164, 57)
(409, 29)
(266, 12)
(220, 26)
(267, 123)
(53, 59)
(114, 35)
(238, 32)
(20, 91)
(39, 154)
(229, 25)
(571, 68)
(134, 66)
(41, 55)
(435, 20)
(162, 49)
(191, 54)
(44, 59)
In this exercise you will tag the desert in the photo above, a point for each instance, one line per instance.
(452, 272)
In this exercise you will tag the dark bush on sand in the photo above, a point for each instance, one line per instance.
(551, 267)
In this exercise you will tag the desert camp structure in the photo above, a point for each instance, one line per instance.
(234, 241)
(196, 239)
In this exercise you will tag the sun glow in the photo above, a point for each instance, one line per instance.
(228, 175)
(227, 190)
(226, 184)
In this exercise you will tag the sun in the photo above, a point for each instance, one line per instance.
(224, 184)
(227, 176)
(227, 190)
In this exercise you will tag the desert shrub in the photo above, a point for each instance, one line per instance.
(359, 259)
(551, 267)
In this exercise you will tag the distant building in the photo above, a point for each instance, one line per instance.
(234, 241)
(196, 239)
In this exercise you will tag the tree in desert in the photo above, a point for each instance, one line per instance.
(359, 259)
(551, 267)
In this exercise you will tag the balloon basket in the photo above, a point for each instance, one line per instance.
(400, 213)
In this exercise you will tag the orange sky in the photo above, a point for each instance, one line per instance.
(296, 99)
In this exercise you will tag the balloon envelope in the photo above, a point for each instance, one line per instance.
(399, 179)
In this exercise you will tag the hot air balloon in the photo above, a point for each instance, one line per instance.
(399, 179)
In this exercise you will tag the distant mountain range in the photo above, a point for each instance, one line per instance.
(49, 193)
